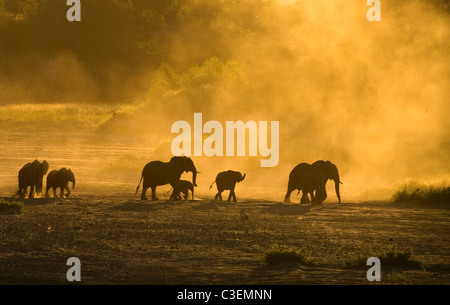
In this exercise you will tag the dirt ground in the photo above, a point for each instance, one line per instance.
(122, 240)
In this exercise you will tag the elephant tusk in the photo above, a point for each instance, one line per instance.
(341, 182)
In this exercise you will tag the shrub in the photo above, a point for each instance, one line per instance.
(11, 205)
(391, 257)
(422, 192)
(279, 254)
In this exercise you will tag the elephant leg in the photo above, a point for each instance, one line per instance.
(68, 190)
(22, 193)
(54, 192)
(144, 191)
(62, 192)
(31, 191)
(186, 194)
(313, 198)
(287, 198)
(154, 198)
(305, 198)
(234, 196)
(46, 192)
(229, 195)
(177, 195)
(219, 196)
(192, 191)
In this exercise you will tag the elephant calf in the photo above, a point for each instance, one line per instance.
(60, 179)
(227, 181)
(184, 187)
(309, 182)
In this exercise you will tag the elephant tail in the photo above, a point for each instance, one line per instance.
(212, 184)
(137, 189)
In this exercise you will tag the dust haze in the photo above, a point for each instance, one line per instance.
(372, 97)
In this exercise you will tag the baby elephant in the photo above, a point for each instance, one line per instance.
(184, 187)
(227, 181)
(60, 179)
(309, 182)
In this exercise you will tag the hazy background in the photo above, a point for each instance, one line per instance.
(372, 97)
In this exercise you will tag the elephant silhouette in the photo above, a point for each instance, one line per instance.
(184, 187)
(32, 175)
(60, 179)
(227, 181)
(309, 182)
(158, 173)
(328, 170)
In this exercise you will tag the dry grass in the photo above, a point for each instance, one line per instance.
(88, 114)
(414, 190)
(391, 257)
(16, 206)
(279, 254)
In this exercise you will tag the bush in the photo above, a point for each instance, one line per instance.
(280, 254)
(391, 257)
(16, 206)
(416, 191)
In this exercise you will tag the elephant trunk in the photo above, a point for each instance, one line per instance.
(336, 187)
(194, 176)
(73, 184)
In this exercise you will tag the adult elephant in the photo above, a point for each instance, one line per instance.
(227, 181)
(60, 179)
(326, 168)
(32, 175)
(158, 173)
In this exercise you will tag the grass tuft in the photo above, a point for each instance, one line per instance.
(280, 254)
(11, 205)
(391, 257)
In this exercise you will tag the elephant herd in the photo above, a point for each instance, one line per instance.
(310, 179)
(32, 175)
(158, 173)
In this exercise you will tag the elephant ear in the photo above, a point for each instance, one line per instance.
(179, 162)
(186, 163)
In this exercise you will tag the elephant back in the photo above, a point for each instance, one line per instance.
(51, 178)
(27, 175)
